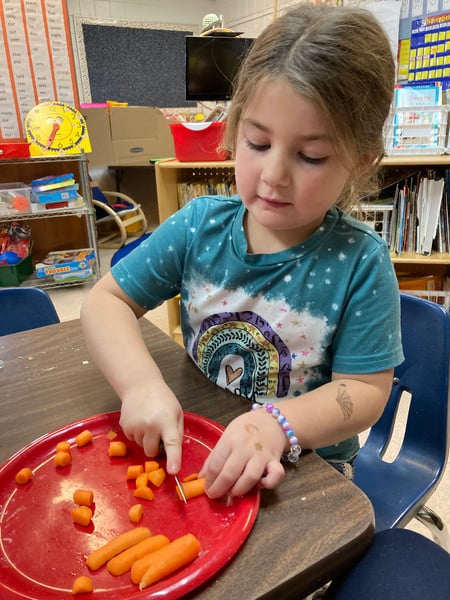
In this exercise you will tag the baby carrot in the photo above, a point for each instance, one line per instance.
(83, 497)
(123, 541)
(170, 558)
(24, 475)
(123, 562)
(157, 477)
(83, 438)
(63, 447)
(151, 465)
(193, 488)
(135, 513)
(82, 515)
(82, 584)
(190, 477)
(62, 459)
(117, 449)
(134, 471)
(144, 492)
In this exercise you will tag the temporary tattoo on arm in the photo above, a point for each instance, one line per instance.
(345, 402)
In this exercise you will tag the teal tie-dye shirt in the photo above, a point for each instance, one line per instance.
(268, 326)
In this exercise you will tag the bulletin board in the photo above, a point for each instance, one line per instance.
(36, 61)
(142, 64)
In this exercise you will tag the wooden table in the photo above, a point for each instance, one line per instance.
(311, 527)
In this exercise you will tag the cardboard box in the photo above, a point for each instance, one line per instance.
(139, 133)
(97, 121)
(127, 135)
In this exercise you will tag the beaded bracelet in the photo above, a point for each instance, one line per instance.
(295, 449)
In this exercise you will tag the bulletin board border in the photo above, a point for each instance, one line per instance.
(78, 23)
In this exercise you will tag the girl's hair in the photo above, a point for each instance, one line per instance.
(341, 59)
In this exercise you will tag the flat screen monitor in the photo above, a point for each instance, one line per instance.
(211, 65)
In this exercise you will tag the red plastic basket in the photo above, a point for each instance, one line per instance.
(198, 142)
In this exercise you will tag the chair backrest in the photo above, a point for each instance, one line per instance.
(25, 308)
(412, 476)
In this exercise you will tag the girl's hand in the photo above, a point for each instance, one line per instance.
(151, 414)
(247, 454)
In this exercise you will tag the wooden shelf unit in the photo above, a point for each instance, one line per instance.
(55, 229)
(171, 172)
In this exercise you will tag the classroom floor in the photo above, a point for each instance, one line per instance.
(68, 302)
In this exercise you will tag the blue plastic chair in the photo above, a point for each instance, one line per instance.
(398, 490)
(25, 308)
(399, 564)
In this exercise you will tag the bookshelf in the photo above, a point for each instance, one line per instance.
(170, 173)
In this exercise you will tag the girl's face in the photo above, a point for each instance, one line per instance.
(287, 172)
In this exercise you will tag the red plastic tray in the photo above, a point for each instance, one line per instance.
(42, 550)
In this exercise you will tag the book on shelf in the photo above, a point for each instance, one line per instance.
(189, 190)
(52, 182)
(419, 221)
(57, 195)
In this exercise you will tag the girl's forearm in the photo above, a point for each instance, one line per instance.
(114, 341)
(339, 409)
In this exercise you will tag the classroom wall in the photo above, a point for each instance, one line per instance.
(249, 16)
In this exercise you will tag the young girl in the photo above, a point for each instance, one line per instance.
(284, 297)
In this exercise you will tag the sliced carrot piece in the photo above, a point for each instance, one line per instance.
(142, 480)
(192, 489)
(151, 465)
(144, 492)
(134, 471)
(83, 438)
(82, 584)
(82, 515)
(24, 475)
(157, 477)
(62, 459)
(117, 449)
(83, 497)
(63, 447)
(135, 513)
(190, 477)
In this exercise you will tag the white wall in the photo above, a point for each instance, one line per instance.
(148, 11)
(248, 16)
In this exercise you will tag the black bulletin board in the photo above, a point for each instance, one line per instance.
(141, 66)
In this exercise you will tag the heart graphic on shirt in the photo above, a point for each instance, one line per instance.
(232, 374)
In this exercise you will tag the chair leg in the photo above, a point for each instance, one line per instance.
(435, 525)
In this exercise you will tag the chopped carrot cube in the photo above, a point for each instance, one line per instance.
(82, 584)
(82, 515)
(151, 465)
(62, 459)
(134, 471)
(117, 449)
(24, 475)
(142, 480)
(144, 492)
(83, 438)
(135, 513)
(157, 477)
